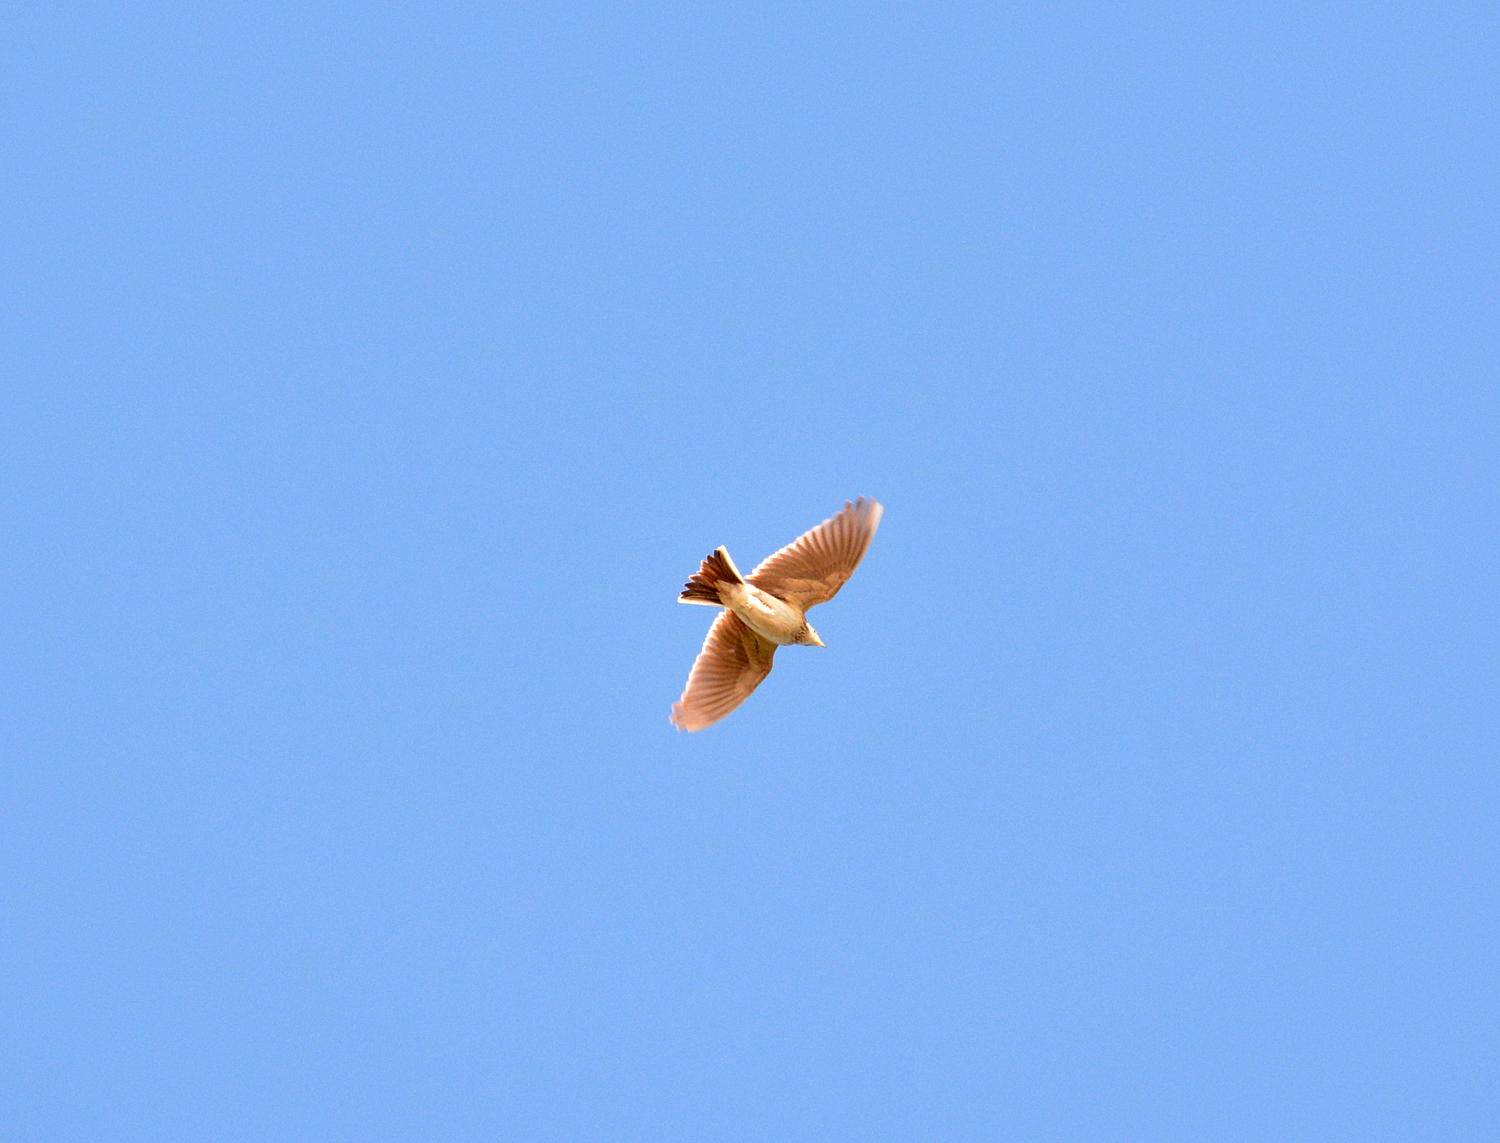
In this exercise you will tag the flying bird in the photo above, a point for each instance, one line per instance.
(766, 609)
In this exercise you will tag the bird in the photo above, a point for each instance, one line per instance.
(766, 609)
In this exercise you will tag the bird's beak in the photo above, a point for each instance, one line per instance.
(816, 640)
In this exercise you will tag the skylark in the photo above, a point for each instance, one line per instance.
(766, 609)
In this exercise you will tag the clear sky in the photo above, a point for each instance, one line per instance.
(374, 375)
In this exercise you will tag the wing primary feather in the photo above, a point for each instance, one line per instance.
(733, 662)
(811, 569)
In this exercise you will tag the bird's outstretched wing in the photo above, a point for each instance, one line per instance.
(731, 665)
(813, 567)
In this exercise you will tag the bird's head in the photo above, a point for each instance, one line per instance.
(808, 637)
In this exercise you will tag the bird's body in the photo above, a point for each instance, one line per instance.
(766, 609)
(767, 615)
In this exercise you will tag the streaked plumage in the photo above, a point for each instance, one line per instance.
(766, 609)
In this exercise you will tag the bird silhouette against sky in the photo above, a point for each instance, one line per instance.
(766, 609)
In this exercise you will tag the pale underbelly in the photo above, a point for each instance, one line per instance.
(768, 617)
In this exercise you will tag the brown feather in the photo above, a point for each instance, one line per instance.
(812, 568)
(733, 662)
(703, 587)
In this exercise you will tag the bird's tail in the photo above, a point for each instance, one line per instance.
(704, 586)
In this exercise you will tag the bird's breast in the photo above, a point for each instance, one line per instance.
(767, 616)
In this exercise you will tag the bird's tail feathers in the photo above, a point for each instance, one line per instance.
(704, 586)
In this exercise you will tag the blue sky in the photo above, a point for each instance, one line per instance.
(377, 374)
